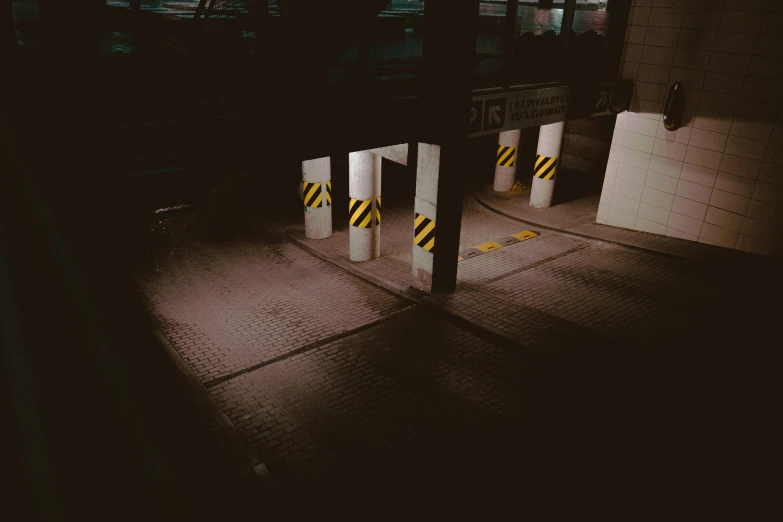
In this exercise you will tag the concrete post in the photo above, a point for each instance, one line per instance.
(506, 164)
(364, 208)
(317, 198)
(550, 141)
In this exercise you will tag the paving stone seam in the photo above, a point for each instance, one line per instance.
(205, 397)
(309, 347)
(577, 235)
(536, 263)
(477, 326)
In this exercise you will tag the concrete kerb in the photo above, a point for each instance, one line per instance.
(254, 466)
(484, 330)
(576, 235)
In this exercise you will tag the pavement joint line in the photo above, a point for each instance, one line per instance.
(536, 263)
(576, 235)
(309, 347)
(251, 458)
(473, 325)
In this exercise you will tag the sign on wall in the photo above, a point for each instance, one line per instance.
(492, 113)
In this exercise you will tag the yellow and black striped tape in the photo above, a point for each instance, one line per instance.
(424, 233)
(490, 246)
(378, 210)
(545, 167)
(360, 213)
(506, 156)
(328, 193)
(311, 194)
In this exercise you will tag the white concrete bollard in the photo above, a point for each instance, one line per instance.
(550, 141)
(364, 208)
(506, 164)
(317, 198)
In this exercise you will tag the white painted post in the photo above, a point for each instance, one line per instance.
(506, 163)
(550, 141)
(425, 215)
(364, 189)
(317, 198)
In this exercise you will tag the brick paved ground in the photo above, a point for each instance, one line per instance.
(624, 375)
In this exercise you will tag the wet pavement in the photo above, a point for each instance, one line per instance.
(564, 374)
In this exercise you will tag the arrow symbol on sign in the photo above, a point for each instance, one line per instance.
(493, 116)
(473, 114)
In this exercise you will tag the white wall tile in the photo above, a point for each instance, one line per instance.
(771, 174)
(666, 166)
(747, 5)
(761, 88)
(635, 34)
(729, 201)
(724, 219)
(691, 59)
(603, 211)
(659, 74)
(690, 78)
(693, 191)
(708, 140)
(703, 157)
(639, 16)
(713, 121)
(635, 158)
(638, 142)
(761, 230)
(656, 55)
(633, 52)
(690, 208)
(641, 125)
(699, 19)
(606, 198)
(629, 69)
(657, 198)
(631, 173)
(765, 67)
(695, 39)
(768, 193)
(752, 129)
(715, 235)
(684, 224)
(668, 149)
(609, 183)
(681, 135)
(735, 184)
(652, 213)
(718, 102)
(618, 137)
(611, 168)
(774, 154)
(757, 246)
(615, 151)
(768, 212)
(700, 175)
(724, 83)
(618, 218)
(647, 109)
(729, 63)
(628, 189)
(661, 182)
(621, 121)
(735, 43)
(650, 91)
(777, 133)
(645, 225)
(745, 148)
(745, 167)
(624, 203)
(673, 232)
(661, 17)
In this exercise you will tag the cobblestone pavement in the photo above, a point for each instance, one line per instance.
(567, 373)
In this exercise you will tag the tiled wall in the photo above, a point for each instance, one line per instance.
(719, 178)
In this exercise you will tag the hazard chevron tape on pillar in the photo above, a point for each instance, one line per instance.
(312, 196)
(545, 167)
(506, 156)
(491, 246)
(378, 210)
(424, 233)
(360, 213)
(328, 193)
